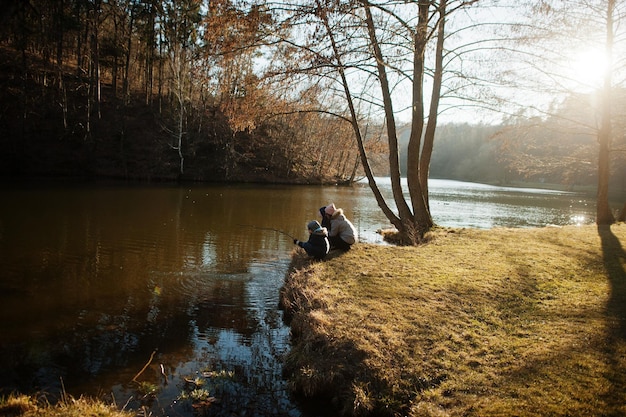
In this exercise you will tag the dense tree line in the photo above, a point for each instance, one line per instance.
(513, 154)
(155, 90)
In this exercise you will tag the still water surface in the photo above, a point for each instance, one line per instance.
(99, 281)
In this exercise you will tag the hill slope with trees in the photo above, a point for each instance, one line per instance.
(153, 91)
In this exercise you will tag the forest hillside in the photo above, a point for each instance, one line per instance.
(51, 128)
(154, 90)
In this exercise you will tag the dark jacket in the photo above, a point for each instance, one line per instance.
(325, 218)
(317, 245)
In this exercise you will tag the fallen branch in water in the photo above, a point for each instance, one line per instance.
(163, 373)
(145, 366)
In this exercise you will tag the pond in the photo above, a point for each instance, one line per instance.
(149, 295)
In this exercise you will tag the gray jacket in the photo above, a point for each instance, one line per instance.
(342, 227)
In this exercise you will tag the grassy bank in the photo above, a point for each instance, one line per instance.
(27, 406)
(503, 322)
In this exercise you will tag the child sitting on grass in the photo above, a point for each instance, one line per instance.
(318, 245)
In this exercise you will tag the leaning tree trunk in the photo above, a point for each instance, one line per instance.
(395, 220)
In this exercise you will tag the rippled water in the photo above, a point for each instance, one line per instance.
(117, 289)
(462, 204)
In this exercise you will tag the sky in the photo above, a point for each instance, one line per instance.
(563, 55)
(498, 75)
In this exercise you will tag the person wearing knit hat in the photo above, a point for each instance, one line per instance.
(326, 212)
(318, 245)
(342, 234)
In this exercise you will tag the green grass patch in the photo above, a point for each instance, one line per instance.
(475, 322)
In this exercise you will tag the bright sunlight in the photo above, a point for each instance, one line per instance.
(587, 68)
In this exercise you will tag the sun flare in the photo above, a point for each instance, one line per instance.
(587, 68)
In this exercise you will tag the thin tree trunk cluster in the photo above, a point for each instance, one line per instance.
(195, 65)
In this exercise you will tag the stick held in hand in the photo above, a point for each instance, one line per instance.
(268, 228)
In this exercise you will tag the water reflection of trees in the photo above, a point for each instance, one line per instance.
(95, 279)
(106, 276)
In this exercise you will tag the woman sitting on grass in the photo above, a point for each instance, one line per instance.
(342, 233)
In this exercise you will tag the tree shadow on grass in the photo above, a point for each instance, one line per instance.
(614, 258)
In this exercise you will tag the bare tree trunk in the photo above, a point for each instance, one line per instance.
(150, 53)
(160, 72)
(81, 40)
(355, 167)
(622, 214)
(61, 90)
(60, 33)
(603, 211)
(129, 43)
(423, 221)
(181, 115)
(63, 98)
(431, 125)
(96, 56)
(179, 79)
(392, 135)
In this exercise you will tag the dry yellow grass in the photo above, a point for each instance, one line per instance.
(26, 406)
(502, 322)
